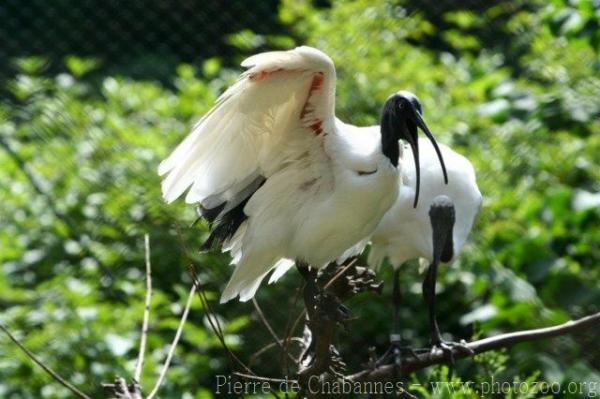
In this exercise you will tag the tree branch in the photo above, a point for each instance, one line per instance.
(265, 322)
(47, 369)
(411, 365)
(267, 325)
(37, 186)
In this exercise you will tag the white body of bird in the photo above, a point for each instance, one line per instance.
(405, 233)
(313, 186)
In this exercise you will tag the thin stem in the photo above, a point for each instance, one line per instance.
(214, 322)
(33, 180)
(165, 367)
(288, 335)
(264, 379)
(262, 317)
(215, 325)
(47, 369)
(300, 317)
(140, 361)
(340, 273)
(264, 320)
(267, 347)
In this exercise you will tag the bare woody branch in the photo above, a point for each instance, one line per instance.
(55, 376)
(483, 345)
(387, 372)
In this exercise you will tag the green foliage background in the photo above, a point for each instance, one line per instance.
(515, 86)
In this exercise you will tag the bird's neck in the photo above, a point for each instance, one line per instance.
(390, 147)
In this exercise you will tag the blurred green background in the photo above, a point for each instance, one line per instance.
(95, 93)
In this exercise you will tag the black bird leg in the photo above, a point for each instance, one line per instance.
(395, 350)
(442, 217)
(320, 303)
(397, 300)
(324, 312)
(429, 285)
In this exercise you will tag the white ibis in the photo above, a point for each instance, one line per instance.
(435, 231)
(279, 177)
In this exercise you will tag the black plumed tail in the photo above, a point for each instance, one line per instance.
(210, 214)
(225, 227)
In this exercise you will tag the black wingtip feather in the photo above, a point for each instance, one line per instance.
(226, 226)
(210, 214)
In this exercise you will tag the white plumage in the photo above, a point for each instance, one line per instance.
(405, 233)
(314, 186)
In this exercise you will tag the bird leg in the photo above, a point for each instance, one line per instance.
(323, 297)
(394, 352)
(436, 341)
(321, 304)
(324, 312)
(442, 217)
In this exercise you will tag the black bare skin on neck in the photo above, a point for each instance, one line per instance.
(389, 140)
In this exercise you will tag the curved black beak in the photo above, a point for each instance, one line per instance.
(401, 120)
(418, 120)
(412, 138)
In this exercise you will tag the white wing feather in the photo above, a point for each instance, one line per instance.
(241, 137)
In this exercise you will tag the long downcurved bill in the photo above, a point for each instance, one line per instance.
(415, 150)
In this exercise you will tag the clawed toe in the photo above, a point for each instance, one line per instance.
(330, 308)
(448, 348)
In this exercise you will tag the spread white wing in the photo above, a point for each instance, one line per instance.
(283, 95)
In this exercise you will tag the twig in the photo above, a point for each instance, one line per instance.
(340, 273)
(121, 390)
(262, 317)
(300, 317)
(264, 320)
(165, 367)
(483, 345)
(34, 182)
(201, 294)
(47, 369)
(214, 322)
(264, 379)
(212, 319)
(140, 361)
(288, 334)
(216, 327)
(72, 229)
(265, 348)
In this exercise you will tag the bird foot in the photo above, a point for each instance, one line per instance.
(313, 365)
(347, 280)
(328, 307)
(363, 279)
(337, 366)
(449, 348)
